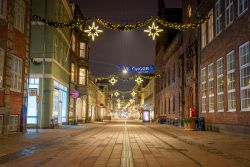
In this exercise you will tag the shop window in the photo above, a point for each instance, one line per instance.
(13, 123)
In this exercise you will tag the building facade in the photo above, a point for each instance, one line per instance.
(149, 98)
(168, 52)
(50, 69)
(79, 55)
(14, 62)
(225, 65)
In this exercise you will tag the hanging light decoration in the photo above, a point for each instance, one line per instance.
(133, 93)
(112, 81)
(118, 100)
(139, 80)
(153, 31)
(93, 31)
(116, 93)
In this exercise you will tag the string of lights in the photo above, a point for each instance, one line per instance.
(152, 31)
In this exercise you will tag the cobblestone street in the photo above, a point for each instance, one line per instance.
(124, 144)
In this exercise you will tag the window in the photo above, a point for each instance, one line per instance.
(82, 76)
(169, 105)
(1, 124)
(211, 86)
(1, 66)
(82, 50)
(19, 15)
(165, 105)
(13, 123)
(229, 13)
(3, 8)
(218, 16)
(220, 87)
(16, 73)
(203, 35)
(242, 6)
(174, 104)
(56, 47)
(72, 72)
(73, 40)
(203, 89)
(231, 81)
(173, 77)
(245, 76)
(210, 26)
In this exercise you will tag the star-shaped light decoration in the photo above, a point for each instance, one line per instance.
(93, 31)
(131, 101)
(116, 93)
(133, 93)
(118, 100)
(153, 31)
(112, 80)
(139, 80)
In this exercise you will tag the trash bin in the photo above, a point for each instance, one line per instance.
(201, 123)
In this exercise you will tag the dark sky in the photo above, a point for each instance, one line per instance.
(111, 48)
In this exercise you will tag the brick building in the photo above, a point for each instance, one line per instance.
(225, 65)
(168, 52)
(14, 60)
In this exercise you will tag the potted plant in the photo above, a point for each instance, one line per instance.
(189, 123)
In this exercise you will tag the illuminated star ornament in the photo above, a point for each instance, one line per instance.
(93, 31)
(153, 31)
(112, 81)
(139, 80)
(116, 93)
(133, 93)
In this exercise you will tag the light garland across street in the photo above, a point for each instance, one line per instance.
(94, 30)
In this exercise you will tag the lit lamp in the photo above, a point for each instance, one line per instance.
(124, 71)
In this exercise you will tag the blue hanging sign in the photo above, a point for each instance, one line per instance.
(139, 70)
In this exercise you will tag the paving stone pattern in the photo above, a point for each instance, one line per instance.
(120, 144)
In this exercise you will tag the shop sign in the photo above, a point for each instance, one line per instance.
(74, 93)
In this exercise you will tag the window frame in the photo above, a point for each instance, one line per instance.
(218, 17)
(231, 90)
(242, 67)
(210, 80)
(11, 129)
(204, 89)
(19, 15)
(3, 8)
(210, 27)
(228, 8)
(220, 76)
(244, 11)
(17, 74)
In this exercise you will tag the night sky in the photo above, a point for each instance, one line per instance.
(111, 48)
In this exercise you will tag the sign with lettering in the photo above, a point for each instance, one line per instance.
(139, 70)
